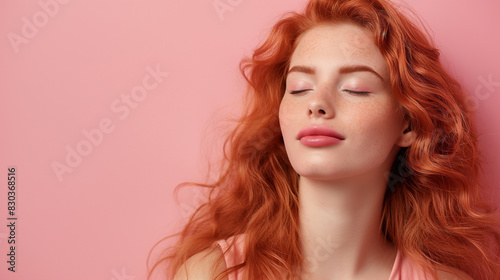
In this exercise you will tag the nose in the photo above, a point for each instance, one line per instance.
(321, 105)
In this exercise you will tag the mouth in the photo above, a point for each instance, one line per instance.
(319, 136)
(319, 130)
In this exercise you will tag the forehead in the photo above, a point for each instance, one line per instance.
(336, 45)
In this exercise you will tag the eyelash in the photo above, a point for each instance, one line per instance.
(298, 91)
(357, 92)
(346, 90)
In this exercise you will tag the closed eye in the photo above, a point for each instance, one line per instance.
(298, 91)
(356, 92)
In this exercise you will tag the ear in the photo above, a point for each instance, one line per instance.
(407, 136)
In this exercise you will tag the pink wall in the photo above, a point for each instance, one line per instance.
(77, 70)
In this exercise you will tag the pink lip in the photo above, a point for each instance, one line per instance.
(319, 136)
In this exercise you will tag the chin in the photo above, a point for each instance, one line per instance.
(321, 174)
(341, 173)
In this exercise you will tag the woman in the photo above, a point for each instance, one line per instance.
(355, 159)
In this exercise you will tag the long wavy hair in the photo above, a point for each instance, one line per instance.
(433, 210)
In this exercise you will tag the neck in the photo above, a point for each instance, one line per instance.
(340, 227)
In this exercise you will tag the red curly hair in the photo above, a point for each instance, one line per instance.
(433, 211)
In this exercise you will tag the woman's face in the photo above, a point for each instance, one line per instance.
(338, 116)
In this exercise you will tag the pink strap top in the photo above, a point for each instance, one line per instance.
(403, 267)
(233, 255)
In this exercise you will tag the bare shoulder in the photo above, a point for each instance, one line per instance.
(451, 273)
(203, 266)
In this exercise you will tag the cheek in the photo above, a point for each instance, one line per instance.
(379, 126)
(285, 115)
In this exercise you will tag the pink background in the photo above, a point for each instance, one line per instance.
(69, 73)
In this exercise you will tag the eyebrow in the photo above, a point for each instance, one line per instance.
(346, 69)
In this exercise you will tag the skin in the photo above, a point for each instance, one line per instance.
(341, 187)
(371, 123)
